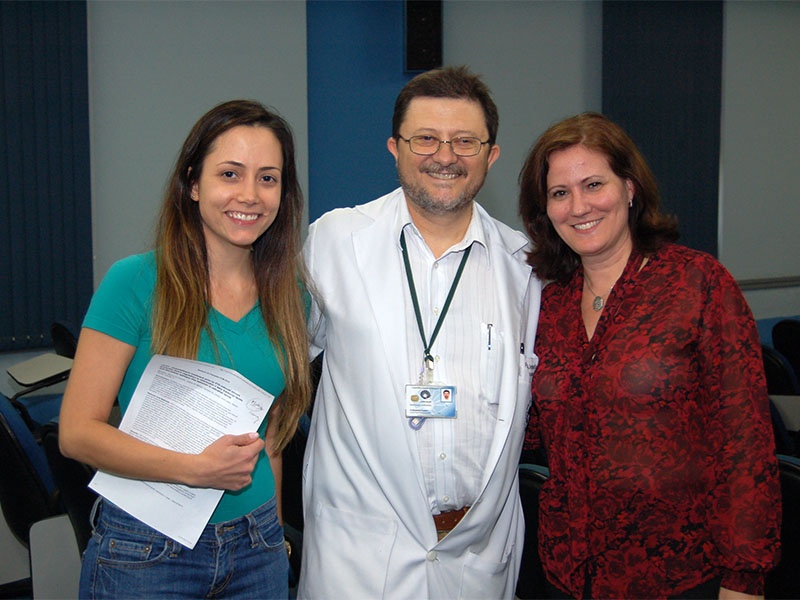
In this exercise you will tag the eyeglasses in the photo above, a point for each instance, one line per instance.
(428, 145)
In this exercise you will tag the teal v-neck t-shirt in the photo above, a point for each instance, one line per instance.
(122, 308)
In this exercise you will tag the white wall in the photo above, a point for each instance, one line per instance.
(759, 195)
(154, 68)
(542, 61)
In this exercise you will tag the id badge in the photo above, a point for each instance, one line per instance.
(431, 401)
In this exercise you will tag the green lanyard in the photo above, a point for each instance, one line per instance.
(427, 345)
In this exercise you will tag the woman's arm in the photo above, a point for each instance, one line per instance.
(744, 506)
(85, 435)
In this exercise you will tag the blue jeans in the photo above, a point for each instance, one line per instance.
(243, 558)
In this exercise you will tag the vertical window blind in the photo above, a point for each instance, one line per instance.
(662, 82)
(45, 203)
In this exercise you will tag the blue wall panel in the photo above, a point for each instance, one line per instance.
(662, 82)
(355, 71)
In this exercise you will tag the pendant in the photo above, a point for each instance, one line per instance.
(597, 303)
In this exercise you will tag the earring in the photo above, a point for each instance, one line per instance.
(630, 203)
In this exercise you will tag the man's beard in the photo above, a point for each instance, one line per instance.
(420, 197)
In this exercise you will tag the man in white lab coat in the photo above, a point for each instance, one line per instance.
(426, 310)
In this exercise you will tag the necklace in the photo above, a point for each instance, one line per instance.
(598, 303)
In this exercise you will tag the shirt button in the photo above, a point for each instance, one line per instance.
(443, 456)
(436, 265)
(445, 498)
(431, 556)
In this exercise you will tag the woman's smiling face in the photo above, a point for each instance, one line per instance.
(587, 203)
(239, 189)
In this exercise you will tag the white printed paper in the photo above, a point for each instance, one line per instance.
(182, 405)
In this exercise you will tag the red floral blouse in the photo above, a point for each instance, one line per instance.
(657, 433)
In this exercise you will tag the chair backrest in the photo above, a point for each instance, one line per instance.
(783, 581)
(781, 380)
(72, 479)
(786, 339)
(292, 488)
(532, 581)
(784, 440)
(27, 490)
(64, 341)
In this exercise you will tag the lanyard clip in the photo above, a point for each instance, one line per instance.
(429, 363)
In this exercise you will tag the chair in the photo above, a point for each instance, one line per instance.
(292, 495)
(37, 409)
(55, 560)
(27, 491)
(786, 340)
(532, 582)
(64, 341)
(784, 439)
(292, 484)
(781, 380)
(72, 480)
(292, 488)
(41, 372)
(783, 581)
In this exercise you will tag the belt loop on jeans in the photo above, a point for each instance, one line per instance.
(95, 512)
(252, 529)
(446, 521)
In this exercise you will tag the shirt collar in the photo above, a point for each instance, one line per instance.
(475, 232)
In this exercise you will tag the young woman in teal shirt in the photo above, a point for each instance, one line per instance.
(224, 285)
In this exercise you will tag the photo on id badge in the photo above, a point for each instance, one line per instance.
(431, 401)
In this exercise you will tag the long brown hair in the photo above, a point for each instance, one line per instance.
(650, 228)
(180, 306)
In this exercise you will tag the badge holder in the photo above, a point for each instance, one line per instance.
(428, 399)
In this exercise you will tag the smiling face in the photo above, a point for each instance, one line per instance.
(442, 183)
(587, 203)
(239, 189)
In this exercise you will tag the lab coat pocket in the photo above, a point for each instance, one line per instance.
(483, 578)
(371, 537)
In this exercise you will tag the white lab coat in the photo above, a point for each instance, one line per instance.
(368, 527)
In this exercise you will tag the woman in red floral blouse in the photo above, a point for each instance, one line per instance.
(649, 398)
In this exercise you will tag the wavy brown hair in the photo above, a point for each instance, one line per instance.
(650, 228)
(180, 306)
